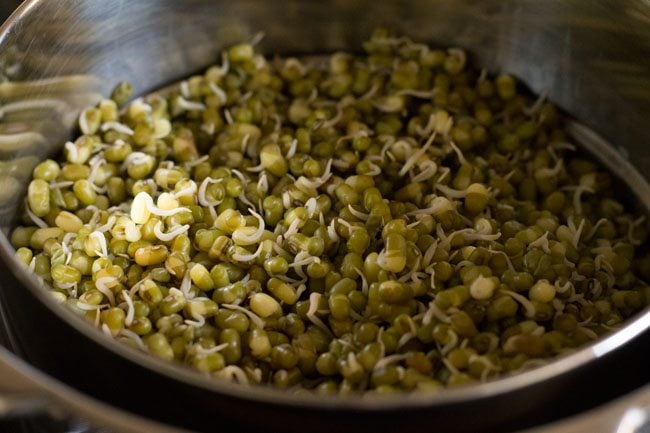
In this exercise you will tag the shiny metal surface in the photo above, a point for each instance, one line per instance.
(593, 58)
(629, 414)
(35, 391)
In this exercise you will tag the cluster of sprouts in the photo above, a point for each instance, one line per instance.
(391, 221)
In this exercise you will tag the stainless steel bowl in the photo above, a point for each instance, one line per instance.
(592, 58)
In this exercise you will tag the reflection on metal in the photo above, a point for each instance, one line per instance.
(36, 117)
(21, 404)
(27, 391)
(634, 421)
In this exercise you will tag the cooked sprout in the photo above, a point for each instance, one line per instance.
(388, 221)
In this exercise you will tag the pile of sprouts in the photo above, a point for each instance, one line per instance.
(357, 223)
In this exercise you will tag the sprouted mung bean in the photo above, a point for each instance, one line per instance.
(378, 222)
